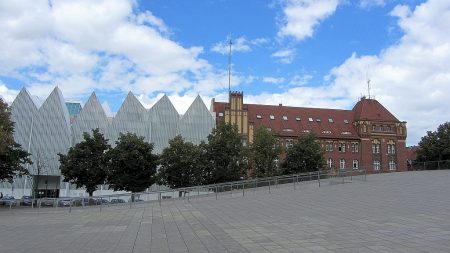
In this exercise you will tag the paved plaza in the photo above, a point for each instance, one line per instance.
(398, 212)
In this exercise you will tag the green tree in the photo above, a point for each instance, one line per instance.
(131, 164)
(12, 156)
(85, 163)
(435, 146)
(304, 156)
(224, 153)
(182, 164)
(263, 152)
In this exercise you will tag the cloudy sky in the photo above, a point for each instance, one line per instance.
(315, 53)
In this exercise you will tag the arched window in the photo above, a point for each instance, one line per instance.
(355, 164)
(330, 163)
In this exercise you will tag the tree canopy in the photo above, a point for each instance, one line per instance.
(224, 153)
(12, 156)
(85, 163)
(182, 164)
(304, 156)
(435, 146)
(131, 164)
(263, 153)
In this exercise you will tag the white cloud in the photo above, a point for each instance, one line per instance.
(367, 4)
(273, 80)
(240, 44)
(410, 78)
(284, 56)
(83, 45)
(301, 17)
(7, 94)
(300, 80)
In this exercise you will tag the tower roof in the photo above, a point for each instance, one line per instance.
(371, 109)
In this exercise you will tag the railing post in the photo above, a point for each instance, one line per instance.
(231, 189)
(101, 203)
(318, 177)
(159, 197)
(293, 181)
(269, 185)
(243, 188)
(198, 191)
(365, 175)
(217, 189)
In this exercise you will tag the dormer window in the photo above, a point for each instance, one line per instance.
(297, 118)
(318, 120)
(258, 116)
(310, 119)
(272, 117)
(345, 121)
(285, 118)
(330, 120)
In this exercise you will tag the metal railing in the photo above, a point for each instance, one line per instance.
(235, 188)
(430, 165)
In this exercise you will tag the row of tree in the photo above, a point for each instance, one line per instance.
(131, 166)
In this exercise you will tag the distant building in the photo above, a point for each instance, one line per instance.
(55, 126)
(368, 136)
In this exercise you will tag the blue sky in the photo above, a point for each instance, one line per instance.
(315, 53)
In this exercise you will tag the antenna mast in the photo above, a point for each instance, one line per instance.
(229, 68)
(368, 87)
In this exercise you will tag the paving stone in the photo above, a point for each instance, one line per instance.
(398, 212)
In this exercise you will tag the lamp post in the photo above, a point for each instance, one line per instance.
(28, 151)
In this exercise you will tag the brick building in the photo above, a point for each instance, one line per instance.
(368, 136)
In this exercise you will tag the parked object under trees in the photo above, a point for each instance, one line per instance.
(131, 164)
(85, 163)
(305, 155)
(12, 156)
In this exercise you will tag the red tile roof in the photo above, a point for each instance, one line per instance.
(326, 123)
(371, 109)
(320, 123)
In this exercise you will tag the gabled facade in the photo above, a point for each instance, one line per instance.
(368, 136)
(49, 129)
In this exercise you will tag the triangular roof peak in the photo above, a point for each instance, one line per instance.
(371, 109)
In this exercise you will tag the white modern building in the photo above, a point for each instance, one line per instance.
(49, 129)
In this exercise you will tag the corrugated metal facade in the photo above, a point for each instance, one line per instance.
(47, 130)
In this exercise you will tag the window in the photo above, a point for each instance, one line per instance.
(392, 165)
(375, 146)
(329, 163)
(297, 118)
(376, 165)
(258, 116)
(355, 147)
(310, 119)
(318, 120)
(330, 120)
(285, 118)
(289, 143)
(306, 131)
(342, 164)
(341, 147)
(355, 164)
(391, 149)
(272, 117)
(346, 133)
(329, 147)
(288, 130)
(345, 121)
(220, 114)
(326, 132)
